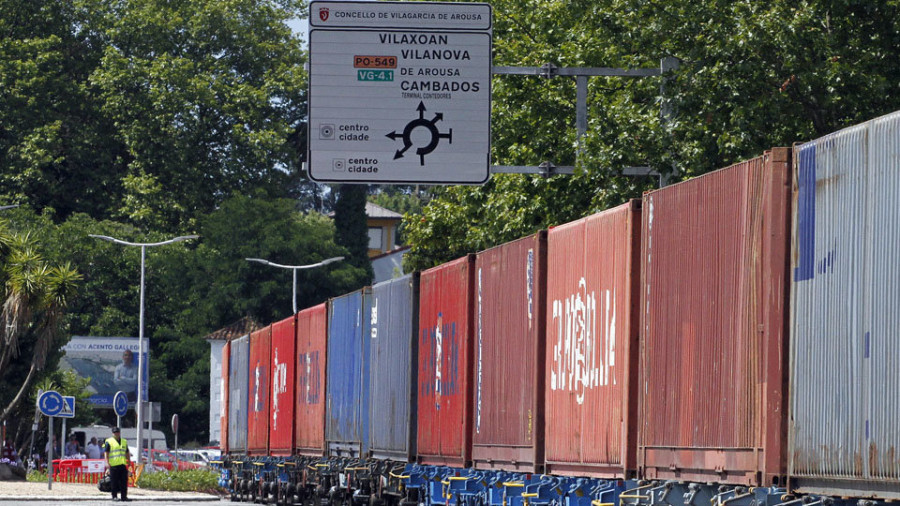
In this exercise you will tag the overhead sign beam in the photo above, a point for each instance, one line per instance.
(399, 92)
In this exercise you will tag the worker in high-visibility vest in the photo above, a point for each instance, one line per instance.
(117, 456)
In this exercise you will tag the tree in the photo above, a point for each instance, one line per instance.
(147, 111)
(35, 295)
(753, 75)
(351, 230)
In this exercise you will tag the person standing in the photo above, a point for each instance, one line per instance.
(72, 448)
(93, 449)
(117, 456)
(125, 376)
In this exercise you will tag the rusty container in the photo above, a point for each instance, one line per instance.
(309, 418)
(258, 398)
(282, 400)
(592, 344)
(223, 418)
(713, 325)
(844, 437)
(445, 364)
(510, 284)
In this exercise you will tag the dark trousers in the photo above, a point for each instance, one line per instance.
(118, 475)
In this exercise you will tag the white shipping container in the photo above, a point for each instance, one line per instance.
(844, 436)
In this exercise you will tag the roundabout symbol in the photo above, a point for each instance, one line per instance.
(429, 125)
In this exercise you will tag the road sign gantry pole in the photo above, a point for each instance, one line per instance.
(581, 75)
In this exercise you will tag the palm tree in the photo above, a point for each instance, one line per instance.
(34, 297)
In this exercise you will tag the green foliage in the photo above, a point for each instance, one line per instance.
(193, 480)
(147, 111)
(752, 75)
(36, 476)
(351, 230)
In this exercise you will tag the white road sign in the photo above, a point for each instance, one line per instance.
(400, 92)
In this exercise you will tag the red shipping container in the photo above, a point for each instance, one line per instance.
(445, 365)
(258, 399)
(223, 417)
(510, 284)
(592, 344)
(713, 325)
(310, 399)
(281, 410)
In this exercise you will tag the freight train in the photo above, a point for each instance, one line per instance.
(731, 339)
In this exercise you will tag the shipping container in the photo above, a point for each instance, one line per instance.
(310, 407)
(845, 388)
(713, 325)
(238, 386)
(592, 321)
(223, 418)
(347, 387)
(281, 404)
(445, 364)
(510, 284)
(258, 397)
(392, 400)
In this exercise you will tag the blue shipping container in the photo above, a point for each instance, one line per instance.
(392, 403)
(347, 383)
(238, 381)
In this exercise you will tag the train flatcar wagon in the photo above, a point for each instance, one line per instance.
(282, 399)
(258, 396)
(312, 351)
(392, 379)
(347, 386)
(445, 364)
(845, 313)
(591, 364)
(713, 333)
(509, 355)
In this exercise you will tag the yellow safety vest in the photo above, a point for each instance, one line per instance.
(117, 451)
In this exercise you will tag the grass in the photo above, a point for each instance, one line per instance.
(37, 476)
(193, 480)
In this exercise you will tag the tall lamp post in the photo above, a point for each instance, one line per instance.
(294, 268)
(13, 206)
(140, 385)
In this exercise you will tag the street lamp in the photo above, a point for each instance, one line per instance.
(4, 208)
(294, 268)
(140, 385)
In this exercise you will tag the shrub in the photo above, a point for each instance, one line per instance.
(193, 480)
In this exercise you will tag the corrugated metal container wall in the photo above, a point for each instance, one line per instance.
(311, 352)
(258, 398)
(592, 344)
(714, 333)
(445, 364)
(845, 408)
(284, 363)
(223, 419)
(238, 386)
(509, 355)
(347, 411)
(393, 378)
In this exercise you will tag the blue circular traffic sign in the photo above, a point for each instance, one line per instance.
(50, 403)
(120, 403)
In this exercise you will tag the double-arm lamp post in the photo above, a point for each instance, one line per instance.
(140, 384)
(294, 268)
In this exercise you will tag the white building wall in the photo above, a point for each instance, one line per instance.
(216, 387)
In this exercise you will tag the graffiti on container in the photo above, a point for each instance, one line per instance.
(374, 319)
(279, 382)
(582, 357)
(441, 368)
(308, 369)
(259, 388)
(529, 286)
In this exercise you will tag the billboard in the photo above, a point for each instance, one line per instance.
(111, 363)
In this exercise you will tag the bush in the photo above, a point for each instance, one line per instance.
(38, 476)
(193, 480)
